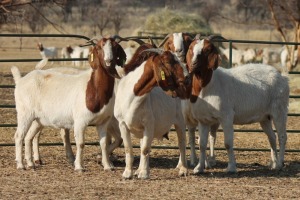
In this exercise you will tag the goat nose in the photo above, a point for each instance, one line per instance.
(108, 62)
(178, 50)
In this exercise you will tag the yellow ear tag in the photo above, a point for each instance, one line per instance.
(162, 74)
(92, 57)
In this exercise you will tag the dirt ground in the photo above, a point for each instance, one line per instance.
(56, 178)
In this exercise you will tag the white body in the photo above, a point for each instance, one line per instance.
(58, 102)
(271, 55)
(243, 95)
(284, 57)
(113, 128)
(237, 56)
(147, 117)
(49, 52)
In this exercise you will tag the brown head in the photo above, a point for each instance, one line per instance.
(107, 53)
(164, 70)
(202, 59)
(103, 58)
(177, 43)
(69, 49)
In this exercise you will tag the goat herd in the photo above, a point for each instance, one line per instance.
(177, 83)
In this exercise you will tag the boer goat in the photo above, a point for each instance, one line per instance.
(178, 43)
(145, 110)
(49, 98)
(242, 95)
(112, 130)
(47, 52)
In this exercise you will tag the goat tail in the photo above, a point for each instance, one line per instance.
(16, 73)
(41, 64)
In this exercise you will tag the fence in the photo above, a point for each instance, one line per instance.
(155, 38)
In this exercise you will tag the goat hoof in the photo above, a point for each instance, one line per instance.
(31, 167)
(79, 170)
(21, 168)
(143, 174)
(183, 172)
(127, 174)
(38, 162)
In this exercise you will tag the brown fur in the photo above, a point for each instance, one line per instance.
(70, 49)
(40, 47)
(138, 57)
(203, 69)
(169, 44)
(152, 76)
(101, 84)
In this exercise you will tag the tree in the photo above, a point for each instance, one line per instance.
(286, 17)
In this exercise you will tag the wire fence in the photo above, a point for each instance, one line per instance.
(230, 42)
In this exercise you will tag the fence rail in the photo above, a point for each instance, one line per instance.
(142, 37)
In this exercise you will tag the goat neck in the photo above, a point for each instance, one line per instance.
(101, 84)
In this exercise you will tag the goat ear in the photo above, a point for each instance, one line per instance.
(121, 56)
(214, 60)
(93, 58)
(187, 40)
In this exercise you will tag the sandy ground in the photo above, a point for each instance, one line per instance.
(56, 179)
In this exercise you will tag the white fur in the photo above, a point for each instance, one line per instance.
(237, 55)
(113, 128)
(284, 57)
(59, 102)
(246, 94)
(147, 117)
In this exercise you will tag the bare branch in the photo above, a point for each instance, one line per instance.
(45, 18)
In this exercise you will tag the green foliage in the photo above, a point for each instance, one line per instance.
(167, 21)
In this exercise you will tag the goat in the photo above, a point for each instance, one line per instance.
(271, 55)
(249, 55)
(177, 43)
(242, 95)
(47, 52)
(285, 60)
(146, 111)
(65, 52)
(237, 55)
(112, 130)
(49, 98)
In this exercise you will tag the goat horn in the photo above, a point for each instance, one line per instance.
(137, 40)
(212, 37)
(90, 42)
(119, 38)
(197, 37)
(159, 51)
(151, 42)
(163, 42)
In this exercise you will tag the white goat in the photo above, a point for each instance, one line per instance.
(47, 52)
(271, 55)
(246, 94)
(65, 53)
(284, 57)
(112, 130)
(49, 98)
(249, 55)
(237, 56)
(147, 112)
